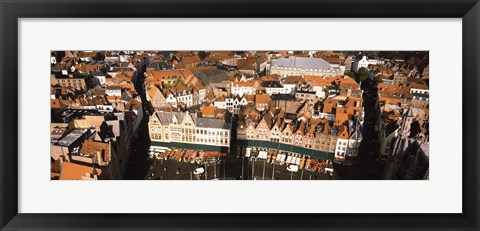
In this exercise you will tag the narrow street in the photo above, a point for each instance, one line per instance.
(138, 165)
(367, 168)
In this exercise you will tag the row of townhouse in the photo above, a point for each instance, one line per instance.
(184, 127)
(231, 104)
(179, 88)
(181, 95)
(305, 87)
(319, 134)
(294, 66)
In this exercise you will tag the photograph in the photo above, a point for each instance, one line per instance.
(239, 115)
(176, 111)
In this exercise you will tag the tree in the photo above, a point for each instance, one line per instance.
(349, 73)
(176, 82)
(202, 54)
(99, 56)
(363, 74)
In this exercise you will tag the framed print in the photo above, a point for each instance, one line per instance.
(230, 115)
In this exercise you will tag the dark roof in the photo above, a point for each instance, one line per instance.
(96, 62)
(420, 95)
(65, 115)
(210, 75)
(291, 116)
(59, 75)
(391, 127)
(97, 73)
(282, 97)
(211, 123)
(306, 92)
(272, 84)
(116, 69)
(161, 65)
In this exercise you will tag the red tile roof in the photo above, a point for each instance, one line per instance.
(71, 171)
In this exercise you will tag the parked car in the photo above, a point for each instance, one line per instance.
(292, 168)
(199, 171)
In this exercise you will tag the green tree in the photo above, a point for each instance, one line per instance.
(202, 54)
(349, 73)
(363, 74)
(176, 82)
(99, 56)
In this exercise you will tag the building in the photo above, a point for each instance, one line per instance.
(400, 79)
(297, 66)
(361, 63)
(113, 91)
(291, 83)
(191, 61)
(184, 127)
(211, 131)
(184, 95)
(99, 77)
(76, 82)
(155, 96)
(273, 87)
(242, 88)
(163, 77)
(261, 102)
(305, 95)
(170, 98)
(348, 143)
(420, 100)
(231, 61)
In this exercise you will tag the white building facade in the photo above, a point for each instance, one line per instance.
(297, 66)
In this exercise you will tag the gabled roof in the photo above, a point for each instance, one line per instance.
(152, 90)
(301, 127)
(166, 118)
(289, 127)
(311, 130)
(343, 132)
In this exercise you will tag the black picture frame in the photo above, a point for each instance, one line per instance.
(12, 10)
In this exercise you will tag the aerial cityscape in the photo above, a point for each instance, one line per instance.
(239, 115)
